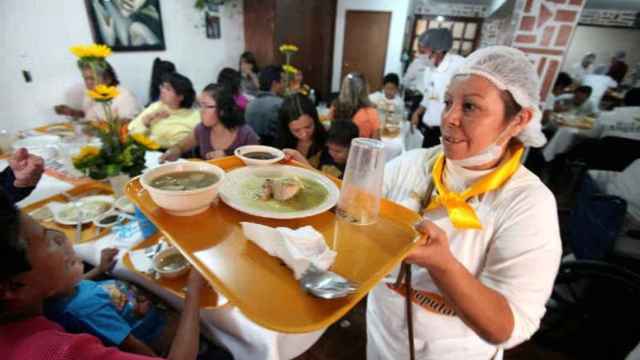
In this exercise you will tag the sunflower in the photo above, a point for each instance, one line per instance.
(288, 48)
(103, 92)
(93, 51)
(289, 69)
(86, 152)
(145, 141)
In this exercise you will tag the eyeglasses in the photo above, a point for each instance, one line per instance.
(206, 106)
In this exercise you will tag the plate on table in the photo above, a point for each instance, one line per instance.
(90, 207)
(242, 190)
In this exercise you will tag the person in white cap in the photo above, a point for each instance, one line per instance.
(478, 281)
(584, 67)
(436, 44)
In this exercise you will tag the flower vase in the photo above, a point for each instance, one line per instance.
(118, 183)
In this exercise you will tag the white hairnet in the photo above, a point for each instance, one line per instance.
(509, 69)
(437, 39)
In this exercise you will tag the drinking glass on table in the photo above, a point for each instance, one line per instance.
(361, 190)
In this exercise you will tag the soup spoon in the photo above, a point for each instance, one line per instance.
(326, 284)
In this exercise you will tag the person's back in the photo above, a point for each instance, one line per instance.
(39, 338)
(262, 112)
(599, 84)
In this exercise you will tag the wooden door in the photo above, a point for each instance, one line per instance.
(365, 45)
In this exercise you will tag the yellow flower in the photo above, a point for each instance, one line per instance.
(91, 51)
(86, 152)
(103, 92)
(145, 141)
(288, 48)
(289, 69)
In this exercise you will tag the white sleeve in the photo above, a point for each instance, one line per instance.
(391, 172)
(523, 258)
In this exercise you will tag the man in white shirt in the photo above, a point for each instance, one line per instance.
(414, 76)
(578, 104)
(437, 43)
(599, 84)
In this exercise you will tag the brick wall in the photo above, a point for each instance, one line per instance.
(544, 31)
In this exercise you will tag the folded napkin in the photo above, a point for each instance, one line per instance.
(298, 249)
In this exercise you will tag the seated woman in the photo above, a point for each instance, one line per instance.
(333, 159)
(125, 105)
(353, 103)
(221, 131)
(300, 128)
(230, 80)
(248, 67)
(37, 263)
(172, 118)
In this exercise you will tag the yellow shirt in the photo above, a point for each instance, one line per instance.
(168, 131)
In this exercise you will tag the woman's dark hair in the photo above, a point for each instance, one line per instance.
(291, 109)
(159, 68)
(13, 249)
(587, 90)
(342, 132)
(230, 79)
(511, 107)
(248, 56)
(229, 113)
(107, 73)
(632, 97)
(182, 86)
(563, 80)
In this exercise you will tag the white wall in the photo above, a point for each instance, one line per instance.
(398, 9)
(36, 35)
(604, 42)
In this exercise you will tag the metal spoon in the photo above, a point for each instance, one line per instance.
(326, 284)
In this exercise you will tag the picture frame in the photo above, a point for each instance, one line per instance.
(126, 25)
(212, 26)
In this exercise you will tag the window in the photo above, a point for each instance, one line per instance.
(465, 31)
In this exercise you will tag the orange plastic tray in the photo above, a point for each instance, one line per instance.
(209, 299)
(89, 231)
(261, 286)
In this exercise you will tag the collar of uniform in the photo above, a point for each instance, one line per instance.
(444, 65)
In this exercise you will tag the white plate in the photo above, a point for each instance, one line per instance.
(234, 188)
(36, 142)
(65, 214)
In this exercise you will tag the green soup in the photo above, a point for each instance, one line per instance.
(311, 195)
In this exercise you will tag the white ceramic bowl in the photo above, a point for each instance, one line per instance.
(187, 202)
(279, 155)
(173, 273)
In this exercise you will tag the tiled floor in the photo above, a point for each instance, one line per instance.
(349, 342)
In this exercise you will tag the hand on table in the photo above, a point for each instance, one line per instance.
(107, 259)
(433, 253)
(27, 168)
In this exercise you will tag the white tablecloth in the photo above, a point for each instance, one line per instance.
(226, 324)
(563, 140)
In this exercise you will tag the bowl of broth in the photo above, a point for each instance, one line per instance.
(259, 155)
(170, 264)
(183, 188)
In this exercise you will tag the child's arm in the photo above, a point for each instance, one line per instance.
(107, 261)
(131, 344)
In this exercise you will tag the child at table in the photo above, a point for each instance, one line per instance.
(116, 312)
(333, 158)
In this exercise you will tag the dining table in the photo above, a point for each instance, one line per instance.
(567, 135)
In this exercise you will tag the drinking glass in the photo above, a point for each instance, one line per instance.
(361, 190)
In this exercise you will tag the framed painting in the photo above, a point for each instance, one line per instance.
(126, 25)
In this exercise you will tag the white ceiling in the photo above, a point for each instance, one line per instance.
(613, 4)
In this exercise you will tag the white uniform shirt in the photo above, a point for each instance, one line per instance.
(621, 122)
(414, 77)
(517, 253)
(125, 106)
(578, 71)
(436, 81)
(599, 85)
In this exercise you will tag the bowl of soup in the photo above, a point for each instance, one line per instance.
(183, 188)
(170, 264)
(259, 155)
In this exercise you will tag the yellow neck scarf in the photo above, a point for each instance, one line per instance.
(460, 213)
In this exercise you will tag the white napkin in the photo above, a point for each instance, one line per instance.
(297, 248)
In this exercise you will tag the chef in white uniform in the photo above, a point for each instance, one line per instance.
(491, 247)
(436, 43)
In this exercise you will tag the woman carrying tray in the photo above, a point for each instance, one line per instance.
(480, 278)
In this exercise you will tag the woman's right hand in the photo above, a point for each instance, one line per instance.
(153, 118)
(293, 155)
(172, 154)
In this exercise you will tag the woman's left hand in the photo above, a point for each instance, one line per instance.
(433, 253)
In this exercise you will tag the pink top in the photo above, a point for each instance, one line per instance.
(241, 101)
(39, 338)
